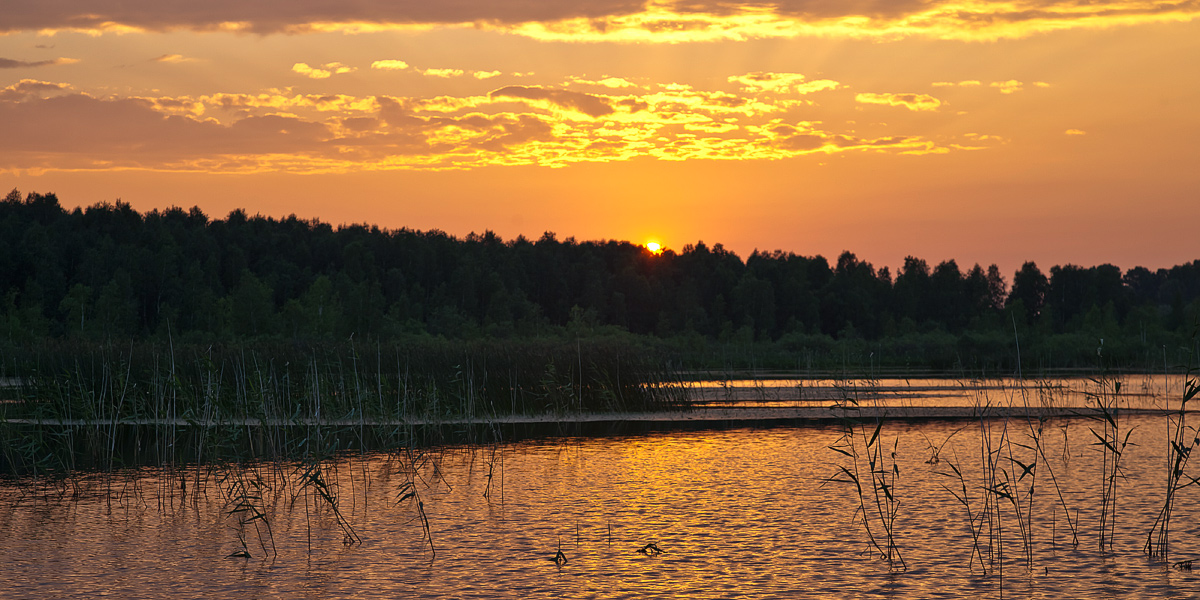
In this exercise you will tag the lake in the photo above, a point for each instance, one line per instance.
(737, 511)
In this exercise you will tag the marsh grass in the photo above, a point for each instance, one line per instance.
(104, 407)
(270, 427)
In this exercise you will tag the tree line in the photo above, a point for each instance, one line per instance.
(109, 272)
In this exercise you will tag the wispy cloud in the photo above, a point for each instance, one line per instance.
(8, 63)
(442, 73)
(606, 82)
(173, 58)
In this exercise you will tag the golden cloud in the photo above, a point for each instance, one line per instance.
(781, 83)
(443, 73)
(389, 65)
(173, 59)
(651, 21)
(607, 82)
(914, 102)
(324, 72)
(512, 125)
(1011, 86)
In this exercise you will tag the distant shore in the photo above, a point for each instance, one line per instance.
(723, 414)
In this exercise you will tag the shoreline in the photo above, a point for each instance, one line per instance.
(699, 415)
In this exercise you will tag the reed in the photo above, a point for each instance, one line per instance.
(167, 404)
(873, 472)
(244, 496)
(1112, 446)
(1179, 450)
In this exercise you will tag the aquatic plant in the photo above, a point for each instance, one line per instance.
(1179, 451)
(244, 495)
(1113, 447)
(103, 406)
(873, 472)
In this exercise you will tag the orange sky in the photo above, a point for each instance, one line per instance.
(982, 131)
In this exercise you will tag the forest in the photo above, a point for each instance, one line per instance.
(108, 273)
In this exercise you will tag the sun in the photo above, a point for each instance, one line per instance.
(654, 247)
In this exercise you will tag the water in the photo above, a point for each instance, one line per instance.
(1142, 391)
(738, 512)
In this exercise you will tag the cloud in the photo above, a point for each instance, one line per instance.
(32, 88)
(781, 83)
(399, 65)
(295, 16)
(78, 130)
(389, 65)
(282, 131)
(967, 83)
(1075, 132)
(682, 21)
(324, 72)
(173, 58)
(607, 82)
(443, 73)
(1011, 86)
(913, 102)
(587, 104)
(657, 21)
(8, 63)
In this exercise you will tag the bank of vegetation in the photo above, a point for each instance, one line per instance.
(108, 273)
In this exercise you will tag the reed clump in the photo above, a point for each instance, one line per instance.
(874, 473)
(106, 406)
(1182, 439)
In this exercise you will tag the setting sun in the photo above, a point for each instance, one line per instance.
(654, 247)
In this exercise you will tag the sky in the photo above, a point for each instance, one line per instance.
(1059, 131)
